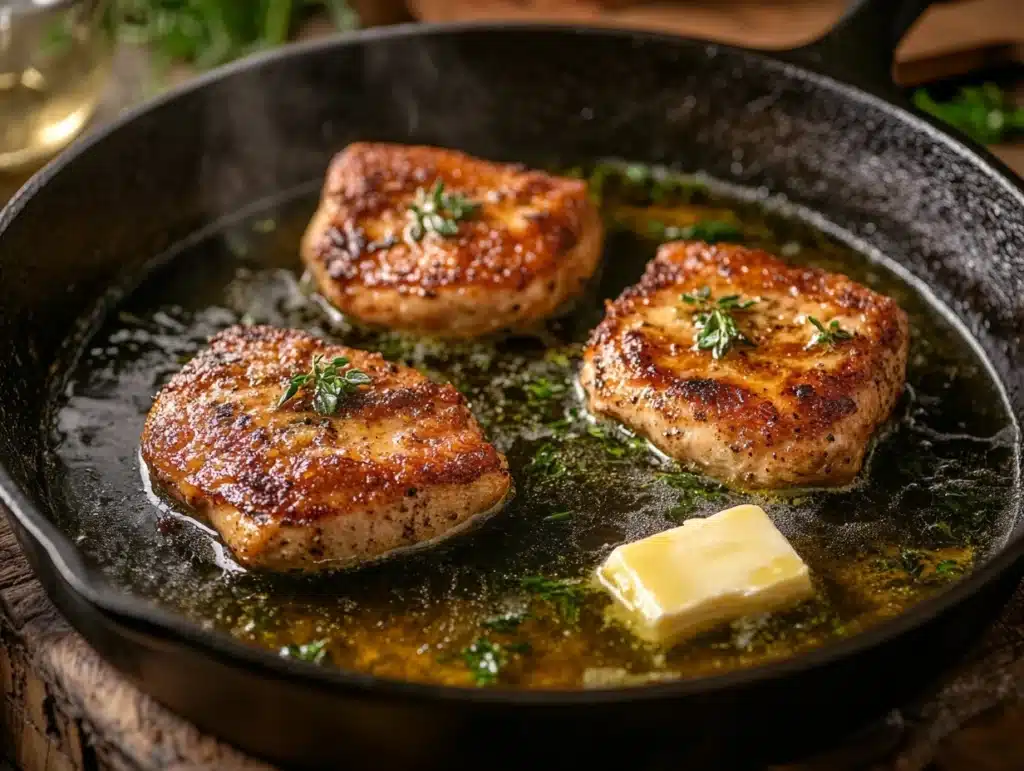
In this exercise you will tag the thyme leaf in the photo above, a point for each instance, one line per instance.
(437, 212)
(330, 385)
(716, 328)
(827, 335)
(558, 516)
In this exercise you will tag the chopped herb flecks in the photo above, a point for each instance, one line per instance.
(314, 652)
(546, 462)
(948, 568)
(330, 385)
(485, 659)
(614, 444)
(708, 231)
(567, 597)
(505, 623)
(641, 183)
(911, 561)
(694, 490)
(559, 516)
(542, 389)
(716, 328)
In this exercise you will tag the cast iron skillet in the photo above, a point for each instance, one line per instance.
(821, 125)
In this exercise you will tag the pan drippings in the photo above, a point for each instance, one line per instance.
(509, 604)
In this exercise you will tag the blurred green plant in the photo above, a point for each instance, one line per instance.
(984, 113)
(207, 33)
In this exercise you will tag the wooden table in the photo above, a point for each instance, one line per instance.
(64, 709)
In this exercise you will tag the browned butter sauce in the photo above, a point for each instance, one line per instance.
(931, 503)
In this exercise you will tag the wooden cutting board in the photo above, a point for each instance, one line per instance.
(953, 38)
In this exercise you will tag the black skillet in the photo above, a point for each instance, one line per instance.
(822, 125)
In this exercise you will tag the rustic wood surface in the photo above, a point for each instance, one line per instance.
(64, 709)
(952, 38)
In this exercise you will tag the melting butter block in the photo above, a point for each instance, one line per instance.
(708, 571)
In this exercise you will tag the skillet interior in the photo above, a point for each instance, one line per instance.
(921, 202)
(931, 503)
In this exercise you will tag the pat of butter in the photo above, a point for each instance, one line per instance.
(708, 571)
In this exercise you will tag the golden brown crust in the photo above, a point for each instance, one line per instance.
(534, 243)
(778, 414)
(215, 439)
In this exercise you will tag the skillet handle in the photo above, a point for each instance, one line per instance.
(861, 47)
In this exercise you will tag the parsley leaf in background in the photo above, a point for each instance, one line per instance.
(207, 33)
(984, 113)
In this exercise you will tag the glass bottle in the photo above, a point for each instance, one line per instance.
(54, 60)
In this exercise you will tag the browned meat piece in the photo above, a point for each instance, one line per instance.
(777, 413)
(402, 462)
(527, 244)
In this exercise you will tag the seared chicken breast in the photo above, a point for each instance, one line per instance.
(400, 463)
(786, 404)
(437, 242)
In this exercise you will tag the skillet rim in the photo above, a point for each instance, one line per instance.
(135, 615)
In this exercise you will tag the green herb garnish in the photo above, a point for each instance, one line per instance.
(641, 183)
(207, 33)
(708, 231)
(716, 327)
(984, 113)
(615, 445)
(944, 530)
(567, 597)
(437, 212)
(505, 623)
(911, 561)
(329, 385)
(314, 652)
(558, 516)
(542, 389)
(948, 568)
(546, 461)
(694, 490)
(830, 335)
(486, 659)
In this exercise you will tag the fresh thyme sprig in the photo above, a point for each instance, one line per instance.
(329, 384)
(716, 327)
(437, 212)
(829, 335)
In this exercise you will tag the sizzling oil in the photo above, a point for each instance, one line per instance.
(931, 501)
